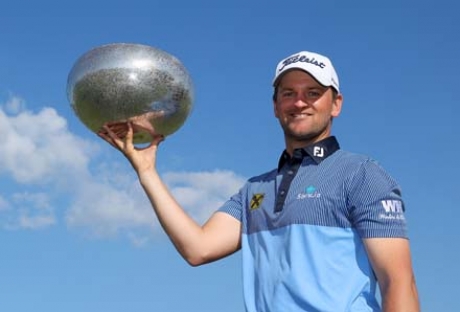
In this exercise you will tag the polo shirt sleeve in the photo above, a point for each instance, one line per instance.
(375, 203)
(234, 206)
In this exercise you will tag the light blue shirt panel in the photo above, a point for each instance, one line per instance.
(283, 275)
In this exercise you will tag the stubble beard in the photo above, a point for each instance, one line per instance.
(307, 136)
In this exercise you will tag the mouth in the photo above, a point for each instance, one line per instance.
(300, 115)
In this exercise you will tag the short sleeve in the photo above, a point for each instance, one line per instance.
(234, 206)
(375, 203)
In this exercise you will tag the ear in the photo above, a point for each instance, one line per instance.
(337, 105)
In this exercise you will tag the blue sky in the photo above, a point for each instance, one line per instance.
(76, 232)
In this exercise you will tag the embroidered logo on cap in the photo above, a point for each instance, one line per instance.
(303, 58)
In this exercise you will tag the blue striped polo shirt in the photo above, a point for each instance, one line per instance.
(302, 230)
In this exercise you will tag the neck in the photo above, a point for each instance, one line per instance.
(292, 144)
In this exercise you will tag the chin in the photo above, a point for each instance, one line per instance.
(300, 136)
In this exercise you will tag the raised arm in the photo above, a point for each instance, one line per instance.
(391, 261)
(217, 238)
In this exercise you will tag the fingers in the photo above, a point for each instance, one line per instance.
(129, 134)
(157, 139)
(106, 136)
(140, 127)
(118, 128)
(121, 135)
(118, 134)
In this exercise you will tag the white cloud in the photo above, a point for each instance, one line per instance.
(105, 209)
(38, 148)
(51, 167)
(14, 105)
(35, 222)
(201, 193)
(120, 204)
(40, 200)
(31, 211)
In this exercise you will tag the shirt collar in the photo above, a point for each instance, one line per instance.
(317, 151)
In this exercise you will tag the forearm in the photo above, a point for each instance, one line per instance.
(188, 236)
(399, 297)
(185, 233)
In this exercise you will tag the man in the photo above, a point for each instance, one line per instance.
(318, 232)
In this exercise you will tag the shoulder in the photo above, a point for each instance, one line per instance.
(348, 161)
(354, 160)
(359, 168)
(350, 157)
(264, 177)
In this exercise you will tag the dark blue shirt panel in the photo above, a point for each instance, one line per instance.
(344, 190)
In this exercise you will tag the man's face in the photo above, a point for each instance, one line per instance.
(305, 108)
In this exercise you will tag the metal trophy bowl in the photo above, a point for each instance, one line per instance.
(121, 82)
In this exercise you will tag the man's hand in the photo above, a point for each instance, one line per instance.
(120, 136)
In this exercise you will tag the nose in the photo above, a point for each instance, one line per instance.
(300, 101)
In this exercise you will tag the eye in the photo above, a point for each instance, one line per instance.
(287, 93)
(313, 94)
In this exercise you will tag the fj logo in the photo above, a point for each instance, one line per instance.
(318, 151)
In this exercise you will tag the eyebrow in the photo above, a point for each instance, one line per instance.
(319, 87)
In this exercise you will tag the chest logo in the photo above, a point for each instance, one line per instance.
(256, 200)
(310, 192)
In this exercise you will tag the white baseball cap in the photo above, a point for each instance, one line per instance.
(317, 65)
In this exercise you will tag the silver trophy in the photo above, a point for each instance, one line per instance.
(121, 82)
